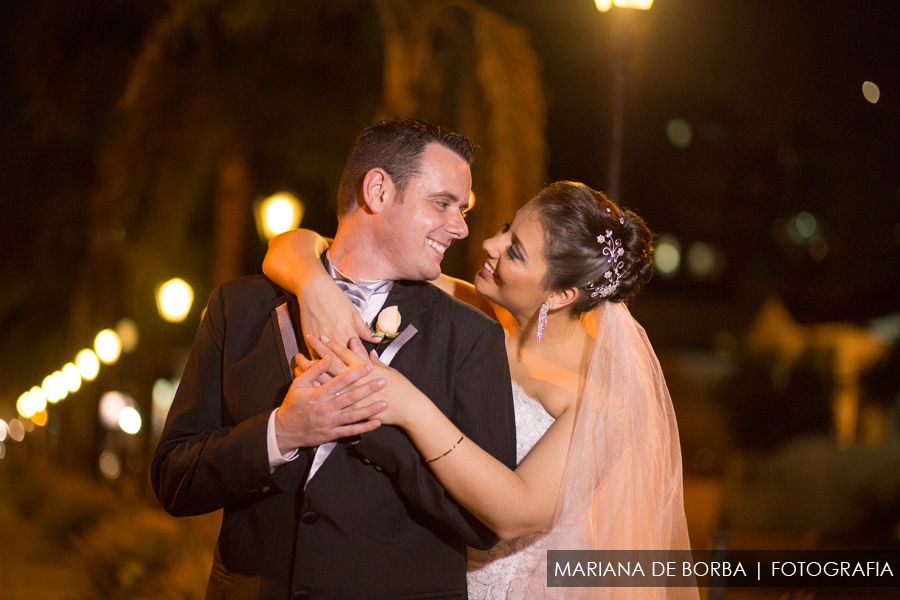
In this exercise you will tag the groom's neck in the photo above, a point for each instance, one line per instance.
(356, 253)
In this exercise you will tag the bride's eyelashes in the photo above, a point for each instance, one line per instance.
(512, 253)
(506, 225)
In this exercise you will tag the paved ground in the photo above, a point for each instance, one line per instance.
(30, 569)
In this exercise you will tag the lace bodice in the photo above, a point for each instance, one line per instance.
(502, 572)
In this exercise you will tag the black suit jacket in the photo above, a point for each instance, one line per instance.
(373, 522)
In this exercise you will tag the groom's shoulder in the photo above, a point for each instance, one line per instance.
(247, 294)
(455, 314)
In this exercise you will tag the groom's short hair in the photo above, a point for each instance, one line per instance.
(395, 146)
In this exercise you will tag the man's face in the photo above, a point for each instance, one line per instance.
(419, 226)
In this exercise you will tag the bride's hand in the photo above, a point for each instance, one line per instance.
(293, 262)
(326, 310)
(404, 400)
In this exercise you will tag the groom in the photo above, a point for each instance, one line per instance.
(364, 517)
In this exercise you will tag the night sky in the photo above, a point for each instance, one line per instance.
(773, 94)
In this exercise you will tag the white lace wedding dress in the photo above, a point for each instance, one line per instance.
(503, 571)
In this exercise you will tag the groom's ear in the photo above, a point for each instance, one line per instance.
(563, 298)
(377, 190)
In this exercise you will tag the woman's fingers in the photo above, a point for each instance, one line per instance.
(345, 355)
(357, 348)
(338, 366)
(373, 357)
(362, 330)
(347, 378)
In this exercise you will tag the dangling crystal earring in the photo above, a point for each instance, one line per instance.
(542, 321)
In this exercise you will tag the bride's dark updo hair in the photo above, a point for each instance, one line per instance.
(572, 216)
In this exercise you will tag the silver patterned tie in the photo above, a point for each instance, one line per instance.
(359, 294)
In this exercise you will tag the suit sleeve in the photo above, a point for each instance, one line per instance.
(483, 410)
(204, 463)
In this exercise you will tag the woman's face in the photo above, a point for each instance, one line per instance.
(513, 274)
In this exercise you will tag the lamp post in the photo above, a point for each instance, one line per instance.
(277, 213)
(174, 299)
(623, 47)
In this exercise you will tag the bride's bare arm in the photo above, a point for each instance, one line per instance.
(466, 292)
(293, 262)
(511, 503)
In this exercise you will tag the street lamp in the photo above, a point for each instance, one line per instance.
(277, 213)
(605, 5)
(623, 46)
(174, 299)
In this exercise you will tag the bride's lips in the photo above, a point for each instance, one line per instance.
(487, 271)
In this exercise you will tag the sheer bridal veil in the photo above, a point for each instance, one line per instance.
(622, 484)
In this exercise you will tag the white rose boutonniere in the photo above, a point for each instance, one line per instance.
(388, 323)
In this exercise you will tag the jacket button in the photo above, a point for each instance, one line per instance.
(366, 461)
(377, 468)
(300, 595)
(265, 489)
(309, 517)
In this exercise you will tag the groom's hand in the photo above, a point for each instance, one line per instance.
(313, 414)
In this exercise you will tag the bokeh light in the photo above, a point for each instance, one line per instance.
(16, 430)
(37, 399)
(174, 299)
(88, 364)
(128, 333)
(2, 450)
(605, 5)
(679, 133)
(39, 418)
(667, 256)
(111, 406)
(278, 213)
(110, 465)
(4, 430)
(23, 405)
(130, 420)
(871, 92)
(805, 224)
(54, 387)
(705, 261)
(818, 248)
(163, 394)
(107, 346)
(71, 377)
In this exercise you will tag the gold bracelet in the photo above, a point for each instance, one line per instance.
(452, 448)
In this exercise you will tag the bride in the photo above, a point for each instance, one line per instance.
(599, 460)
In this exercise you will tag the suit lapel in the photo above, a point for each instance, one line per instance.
(405, 295)
(283, 324)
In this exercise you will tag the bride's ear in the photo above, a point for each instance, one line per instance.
(377, 190)
(563, 298)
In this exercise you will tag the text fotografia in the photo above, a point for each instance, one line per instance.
(734, 568)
